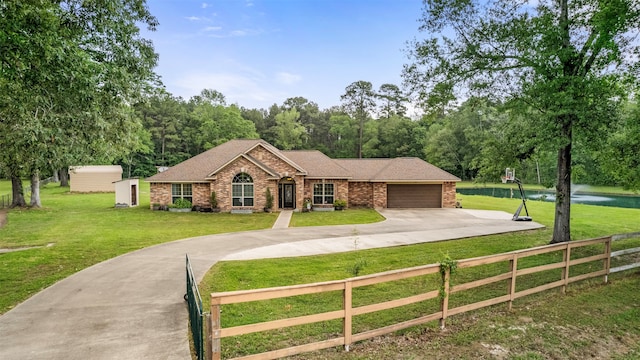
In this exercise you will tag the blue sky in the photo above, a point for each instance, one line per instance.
(261, 52)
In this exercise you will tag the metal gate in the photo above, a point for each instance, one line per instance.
(197, 318)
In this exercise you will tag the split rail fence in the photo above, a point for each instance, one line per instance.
(597, 258)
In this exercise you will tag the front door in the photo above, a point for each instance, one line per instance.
(288, 196)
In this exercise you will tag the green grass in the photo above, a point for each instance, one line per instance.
(587, 222)
(86, 229)
(346, 217)
(612, 190)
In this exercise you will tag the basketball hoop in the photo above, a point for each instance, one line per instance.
(509, 175)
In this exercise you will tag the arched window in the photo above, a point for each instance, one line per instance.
(242, 190)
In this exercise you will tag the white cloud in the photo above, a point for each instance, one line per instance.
(193, 18)
(249, 3)
(212, 28)
(205, 5)
(288, 78)
(238, 33)
(244, 89)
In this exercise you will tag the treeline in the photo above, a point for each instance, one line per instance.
(474, 141)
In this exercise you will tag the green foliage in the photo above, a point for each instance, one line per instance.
(356, 268)
(447, 264)
(214, 200)
(269, 199)
(340, 203)
(559, 63)
(181, 204)
(69, 73)
(219, 124)
(290, 134)
(359, 101)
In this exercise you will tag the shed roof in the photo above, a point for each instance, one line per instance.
(79, 169)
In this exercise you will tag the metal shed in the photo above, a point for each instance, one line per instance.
(94, 178)
(127, 193)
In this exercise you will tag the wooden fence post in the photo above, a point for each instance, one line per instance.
(215, 329)
(513, 263)
(444, 294)
(565, 272)
(607, 260)
(347, 321)
(207, 336)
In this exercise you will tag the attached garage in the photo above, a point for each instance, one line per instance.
(414, 195)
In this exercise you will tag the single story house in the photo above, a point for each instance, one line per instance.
(241, 171)
(94, 178)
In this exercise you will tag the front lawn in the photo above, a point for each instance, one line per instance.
(587, 222)
(346, 217)
(80, 230)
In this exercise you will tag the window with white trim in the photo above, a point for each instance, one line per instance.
(242, 190)
(322, 194)
(181, 191)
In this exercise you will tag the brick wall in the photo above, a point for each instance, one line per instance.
(201, 194)
(224, 178)
(379, 195)
(160, 193)
(449, 194)
(361, 194)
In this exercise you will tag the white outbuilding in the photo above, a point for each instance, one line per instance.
(94, 178)
(127, 193)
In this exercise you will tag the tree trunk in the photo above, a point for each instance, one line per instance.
(55, 176)
(360, 137)
(64, 177)
(561, 226)
(35, 189)
(17, 192)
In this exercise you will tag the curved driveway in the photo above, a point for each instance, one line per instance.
(131, 307)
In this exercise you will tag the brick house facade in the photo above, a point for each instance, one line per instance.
(241, 171)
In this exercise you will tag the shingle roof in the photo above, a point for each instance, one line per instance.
(408, 169)
(317, 164)
(199, 167)
(313, 163)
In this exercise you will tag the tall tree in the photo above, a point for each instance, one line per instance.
(359, 102)
(164, 116)
(220, 124)
(393, 101)
(69, 70)
(290, 134)
(563, 58)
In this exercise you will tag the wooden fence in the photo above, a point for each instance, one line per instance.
(5, 201)
(600, 257)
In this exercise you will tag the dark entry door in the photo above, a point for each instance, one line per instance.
(134, 197)
(288, 196)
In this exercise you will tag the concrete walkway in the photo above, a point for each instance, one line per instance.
(131, 307)
(283, 219)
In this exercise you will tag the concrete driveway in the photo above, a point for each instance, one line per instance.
(131, 307)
